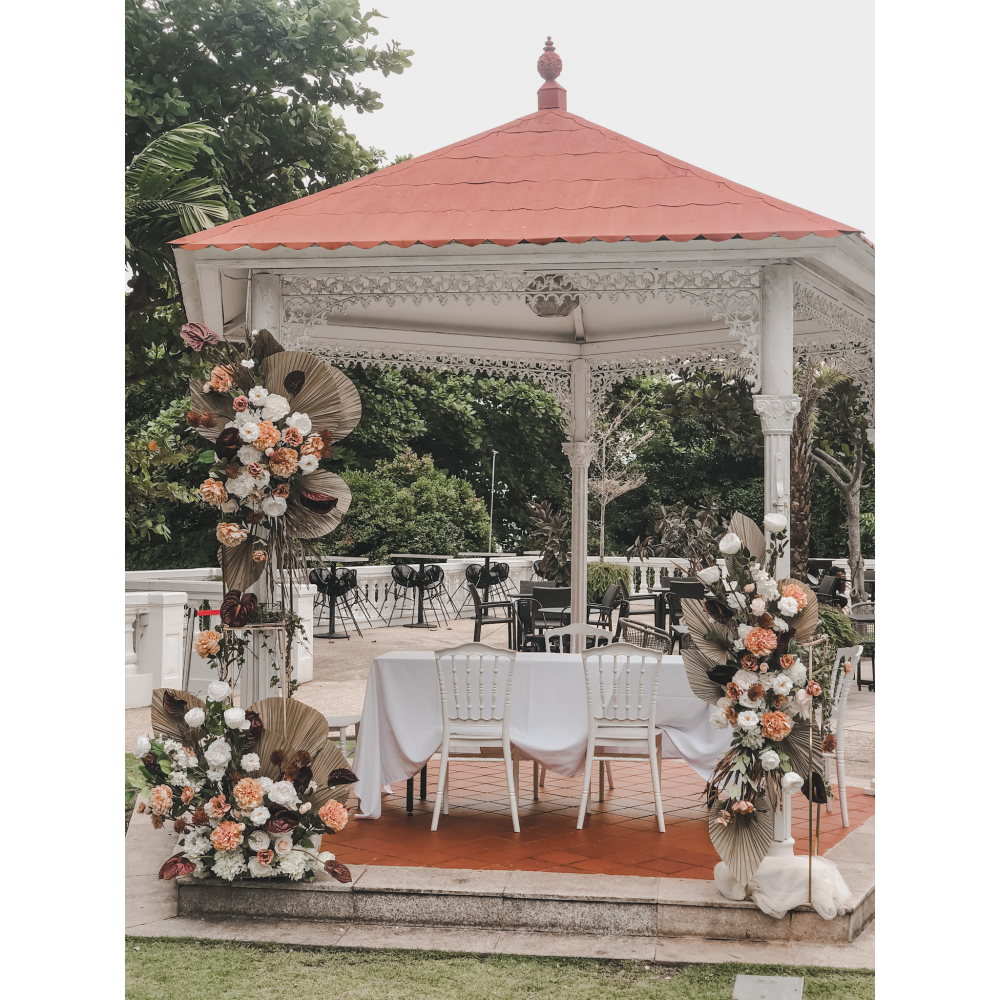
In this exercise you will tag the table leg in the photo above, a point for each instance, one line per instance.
(420, 623)
(486, 589)
(600, 780)
(409, 796)
(535, 763)
(423, 783)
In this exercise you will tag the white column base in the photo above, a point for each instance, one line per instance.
(138, 691)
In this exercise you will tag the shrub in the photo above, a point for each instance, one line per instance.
(838, 627)
(600, 576)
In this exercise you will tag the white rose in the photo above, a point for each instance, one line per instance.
(218, 753)
(218, 691)
(308, 463)
(141, 746)
(257, 395)
(710, 575)
(265, 783)
(775, 523)
(724, 703)
(240, 486)
(797, 672)
(274, 506)
(248, 454)
(747, 719)
(195, 717)
(260, 816)
(241, 418)
(258, 841)
(747, 702)
(250, 762)
(744, 678)
(248, 362)
(282, 793)
(275, 407)
(230, 507)
(782, 685)
(282, 845)
(301, 422)
(769, 760)
(216, 774)
(257, 870)
(236, 718)
(780, 625)
(718, 720)
(758, 606)
(744, 630)
(262, 480)
(730, 544)
(788, 605)
(250, 432)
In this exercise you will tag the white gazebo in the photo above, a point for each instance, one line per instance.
(553, 249)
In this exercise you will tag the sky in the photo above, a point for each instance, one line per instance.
(775, 95)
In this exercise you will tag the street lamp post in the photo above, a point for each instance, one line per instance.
(493, 479)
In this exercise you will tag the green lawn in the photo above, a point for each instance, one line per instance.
(187, 969)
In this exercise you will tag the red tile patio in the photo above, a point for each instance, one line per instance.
(619, 837)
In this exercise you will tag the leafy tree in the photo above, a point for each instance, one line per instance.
(552, 531)
(407, 505)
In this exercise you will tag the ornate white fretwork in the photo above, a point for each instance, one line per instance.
(849, 341)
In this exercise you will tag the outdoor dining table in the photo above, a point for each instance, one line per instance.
(421, 561)
(401, 724)
(333, 633)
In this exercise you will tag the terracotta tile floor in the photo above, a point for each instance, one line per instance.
(619, 837)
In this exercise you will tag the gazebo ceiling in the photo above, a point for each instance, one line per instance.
(548, 176)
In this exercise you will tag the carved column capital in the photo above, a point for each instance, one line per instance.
(580, 453)
(777, 413)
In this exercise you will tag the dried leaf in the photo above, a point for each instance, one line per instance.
(281, 822)
(294, 381)
(752, 536)
(744, 843)
(302, 779)
(341, 776)
(340, 872)
(176, 866)
(718, 611)
(173, 705)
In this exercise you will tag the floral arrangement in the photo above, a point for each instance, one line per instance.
(747, 662)
(251, 792)
(272, 416)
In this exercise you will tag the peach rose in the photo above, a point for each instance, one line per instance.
(775, 725)
(212, 491)
(788, 661)
(742, 807)
(268, 437)
(227, 836)
(284, 462)
(334, 815)
(221, 380)
(265, 857)
(248, 794)
(748, 662)
(218, 807)
(813, 689)
(795, 591)
(312, 446)
(292, 436)
(281, 490)
(259, 555)
(231, 534)
(240, 403)
(161, 800)
(733, 691)
(760, 641)
(187, 794)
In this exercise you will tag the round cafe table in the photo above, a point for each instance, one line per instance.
(421, 561)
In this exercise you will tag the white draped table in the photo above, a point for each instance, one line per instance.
(401, 721)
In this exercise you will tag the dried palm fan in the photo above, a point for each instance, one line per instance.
(290, 727)
(711, 638)
(313, 514)
(214, 403)
(751, 536)
(698, 668)
(744, 842)
(807, 620)
(167, 711)
(312, 386)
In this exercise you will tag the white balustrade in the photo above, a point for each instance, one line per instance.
(138, 686)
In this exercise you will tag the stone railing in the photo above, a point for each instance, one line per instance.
(154, 634)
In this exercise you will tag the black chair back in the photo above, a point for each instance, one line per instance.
(691, 589)
(503, 571)
(610, 596)
(319, 577)
(527, 586)
(553, 597)
(476, 575)
(431, 576)
(404, 576)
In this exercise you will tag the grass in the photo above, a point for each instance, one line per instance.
(189, 969)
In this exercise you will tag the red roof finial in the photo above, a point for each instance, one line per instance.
(551, 95)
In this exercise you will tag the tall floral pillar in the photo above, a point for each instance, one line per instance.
(580, 451)
(777, 403)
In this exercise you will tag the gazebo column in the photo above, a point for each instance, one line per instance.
(580, 452)
(777, 403)
(265, 303)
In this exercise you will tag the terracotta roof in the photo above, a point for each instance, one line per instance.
(547, 176)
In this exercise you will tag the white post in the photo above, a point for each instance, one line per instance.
(777, 404)
(160, 647)
(138, 687)
(265, 303)
(783, 843)
(581, 453)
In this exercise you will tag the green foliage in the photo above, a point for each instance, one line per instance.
(551, 531)
(180, 968)
(134, 784)
(600, 576)
(407, 505)
(838, 627)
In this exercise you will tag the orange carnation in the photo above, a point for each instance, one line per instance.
(248, 794)
(760, 641)
(230, 534)
(775, 725)
(218, 807)
(221, 380)
(161, 799)
(268, 437)
(284, 462)
(292, 436)
(227, 836)
(212, 491)
(312, 446)
(795, 591)
(207, 643)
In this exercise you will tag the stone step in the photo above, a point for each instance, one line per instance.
(547, 902)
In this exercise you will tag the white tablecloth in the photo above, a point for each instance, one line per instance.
(401, 721)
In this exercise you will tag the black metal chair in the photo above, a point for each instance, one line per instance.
(554, 606)
(866, 632)
(318, 578)
(680, 590)
(404, 582)
(831, 590)
(432, 582)
(604, 609)
(525, 611)
(485, 616)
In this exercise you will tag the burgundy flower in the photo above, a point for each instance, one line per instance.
(177, 865)
(240, 403)
(197, 335)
